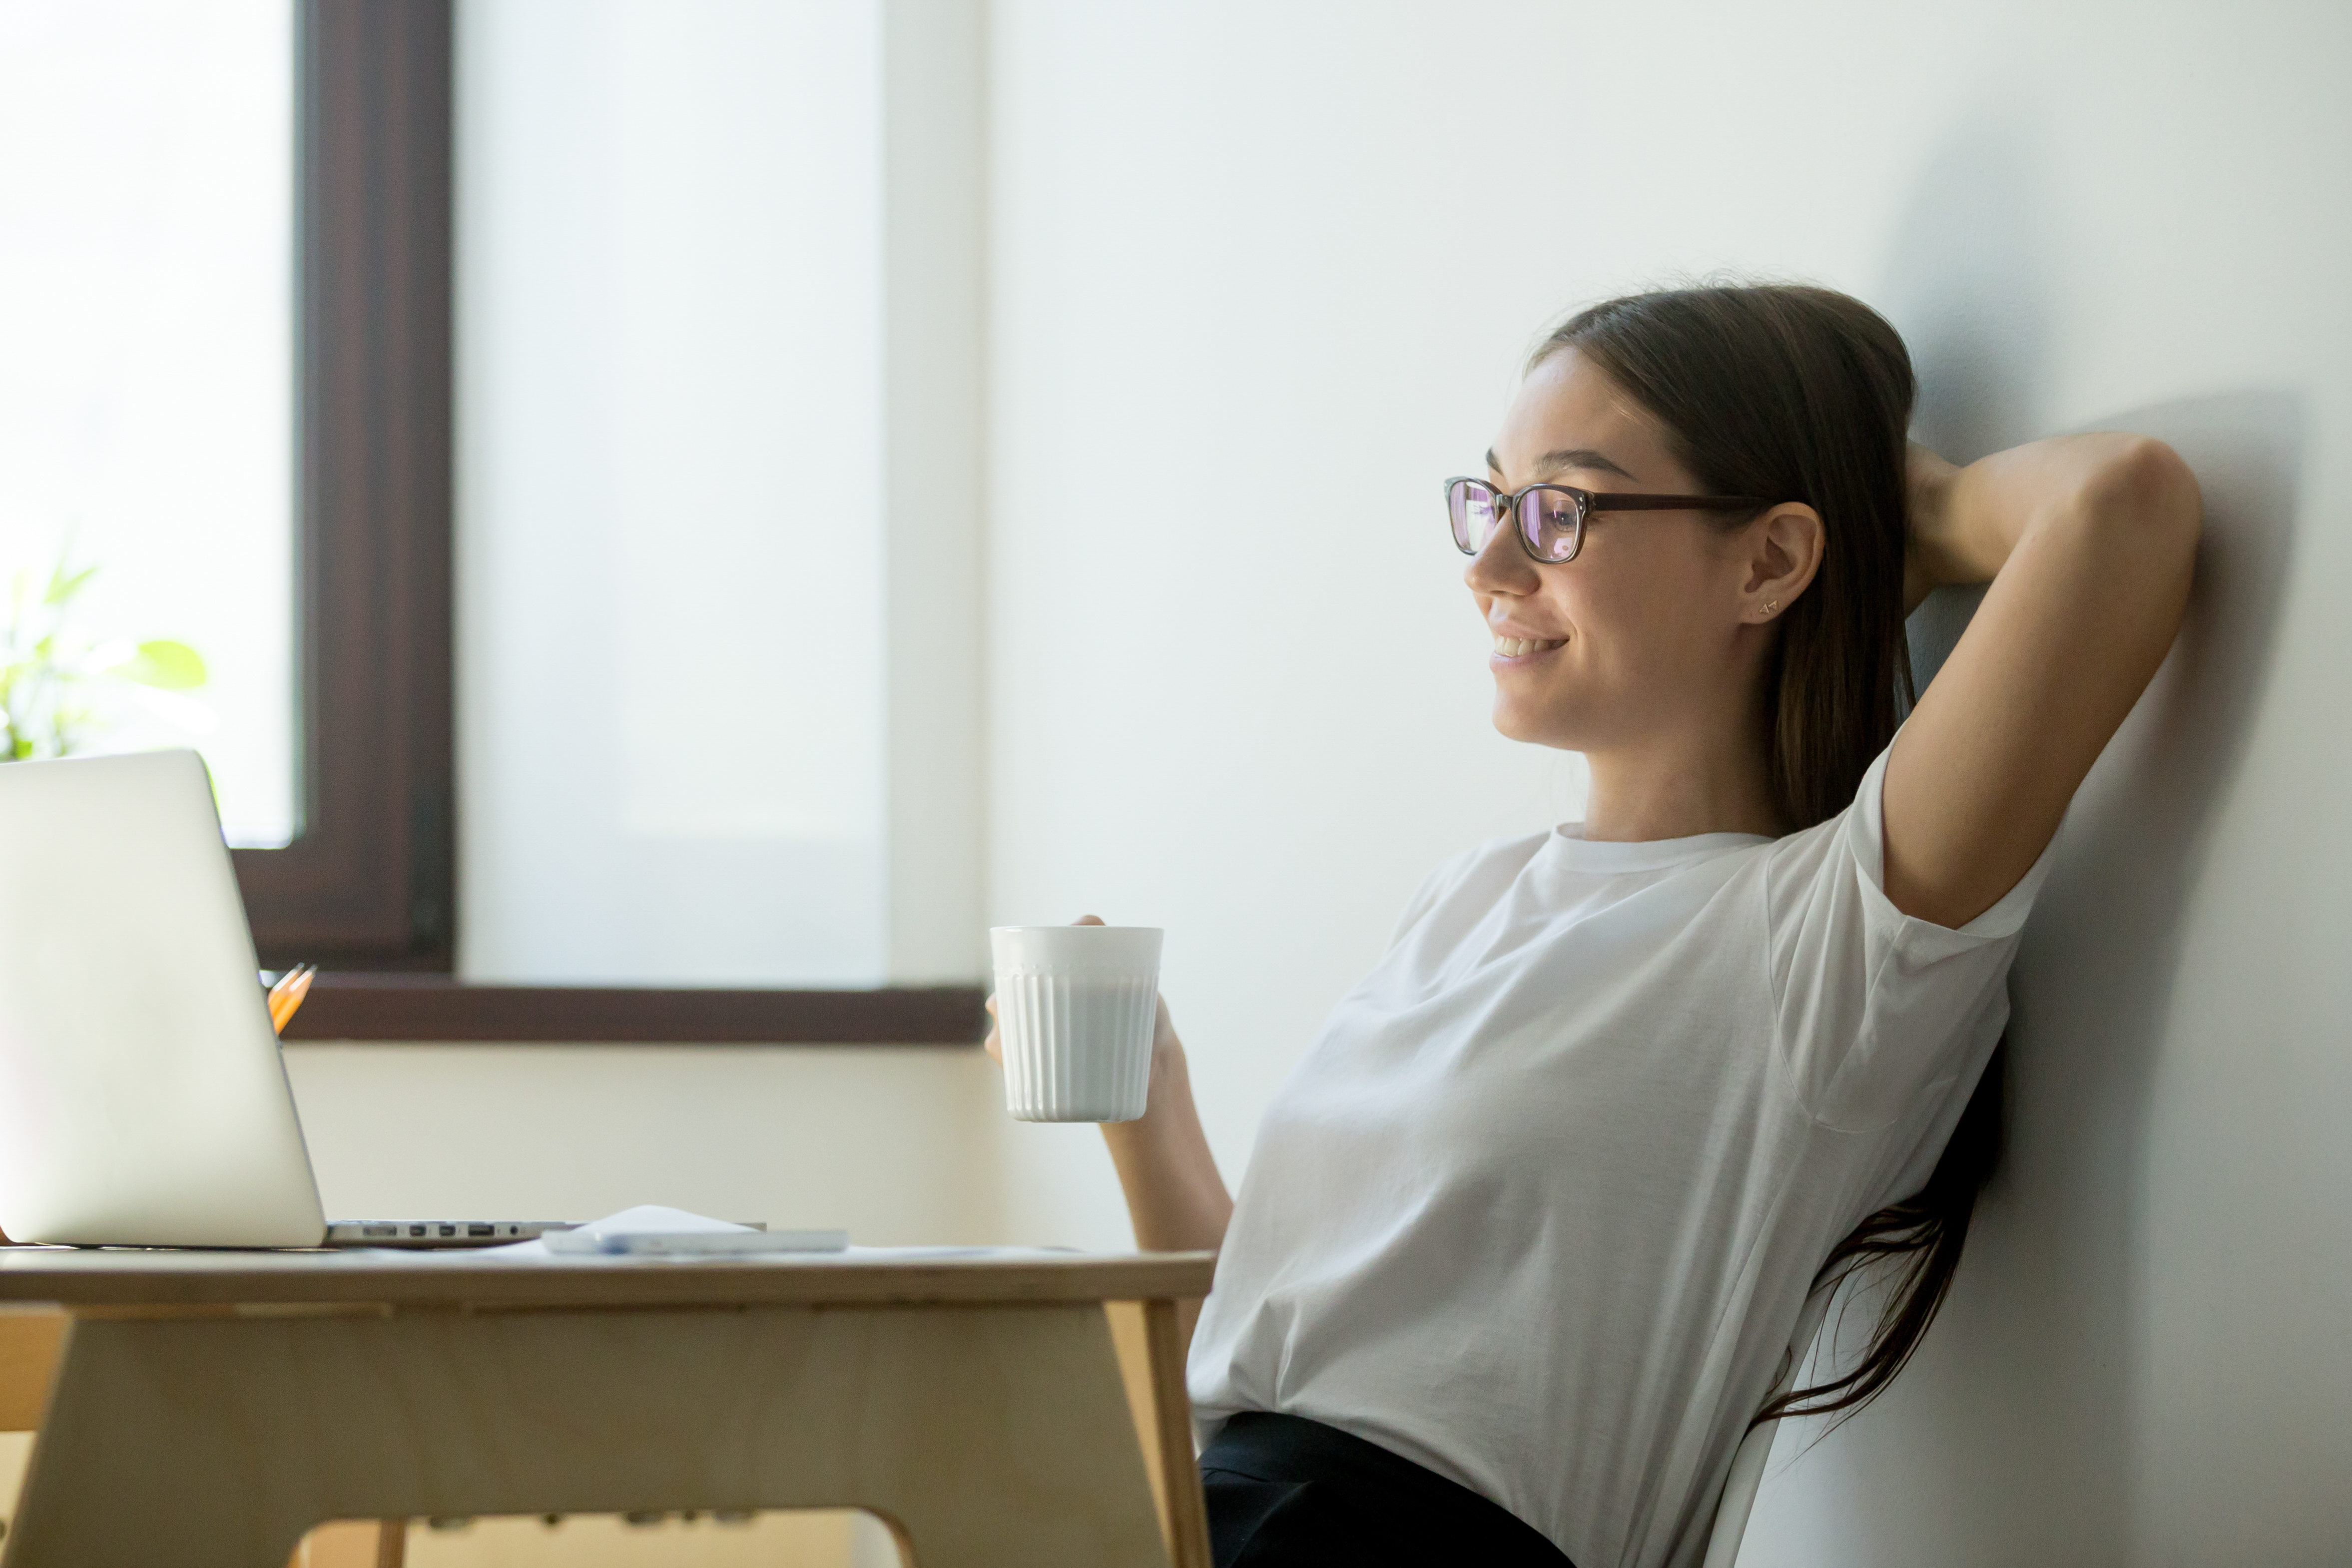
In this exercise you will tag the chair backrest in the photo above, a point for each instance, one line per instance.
(1747, 1464)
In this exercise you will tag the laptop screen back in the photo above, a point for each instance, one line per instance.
(142, 1101)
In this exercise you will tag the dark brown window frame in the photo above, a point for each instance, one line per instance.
(367, 883)
(436, 1008)
(368, 890)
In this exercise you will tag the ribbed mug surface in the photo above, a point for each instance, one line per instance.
(1078, 1047)
(1075, 1008)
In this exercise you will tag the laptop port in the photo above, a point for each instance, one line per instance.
(481, 1230)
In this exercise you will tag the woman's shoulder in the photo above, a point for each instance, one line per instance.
(1839, 865)
(1491, 865)
(1854, 830)
(1483, 869)
(1505, 857)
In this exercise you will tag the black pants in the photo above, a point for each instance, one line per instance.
(1287, 1492)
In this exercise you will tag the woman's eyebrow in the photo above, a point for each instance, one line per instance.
(1584, 458)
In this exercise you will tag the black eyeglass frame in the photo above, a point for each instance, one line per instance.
(1585, 502)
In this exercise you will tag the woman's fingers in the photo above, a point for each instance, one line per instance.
(994, 1043)
(1163, 1032)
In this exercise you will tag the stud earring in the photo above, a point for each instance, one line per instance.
(1771, 606)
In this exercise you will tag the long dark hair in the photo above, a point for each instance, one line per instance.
(1804, 394)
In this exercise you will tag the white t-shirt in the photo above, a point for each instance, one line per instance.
(1540, 1208)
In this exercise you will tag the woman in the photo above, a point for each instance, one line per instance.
(1526, 1234)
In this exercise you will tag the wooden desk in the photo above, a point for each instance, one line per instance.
(212, 1406)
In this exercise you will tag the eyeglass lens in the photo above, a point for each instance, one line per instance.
(1547, 519)
(1470, 506)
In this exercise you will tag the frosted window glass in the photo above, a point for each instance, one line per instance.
(147, 358)
(669, 552)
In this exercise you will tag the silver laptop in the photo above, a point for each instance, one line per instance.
(143, 1099)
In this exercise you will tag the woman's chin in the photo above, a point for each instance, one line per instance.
(1513, 721)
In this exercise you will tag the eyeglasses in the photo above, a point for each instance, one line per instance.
(1551, 516)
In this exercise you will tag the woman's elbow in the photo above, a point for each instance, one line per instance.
(2142, 493)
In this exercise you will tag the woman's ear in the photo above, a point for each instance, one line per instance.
(1784, 551)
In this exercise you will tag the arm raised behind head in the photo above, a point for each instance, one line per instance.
(2088, 541)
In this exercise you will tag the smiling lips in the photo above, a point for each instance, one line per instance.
(1520, 647)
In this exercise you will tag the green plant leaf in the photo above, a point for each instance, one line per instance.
(63, 585)
(168, 665)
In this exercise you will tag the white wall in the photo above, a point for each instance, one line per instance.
(1260, 276)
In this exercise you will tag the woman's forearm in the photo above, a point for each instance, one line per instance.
(1966, 522)
(1175, 1198)
(2091, 542)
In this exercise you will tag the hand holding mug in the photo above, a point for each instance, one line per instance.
(1077, 1012)
(1163, 1025)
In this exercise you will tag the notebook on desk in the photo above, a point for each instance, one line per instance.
(142, 1099)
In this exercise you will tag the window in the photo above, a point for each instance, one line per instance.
(226, 280)
(721, 384)
(670, 493)
(147, 178)
(369, 882)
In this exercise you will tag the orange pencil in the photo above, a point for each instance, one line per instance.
(285, 997)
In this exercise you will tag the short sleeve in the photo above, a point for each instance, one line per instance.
(1876, 1007)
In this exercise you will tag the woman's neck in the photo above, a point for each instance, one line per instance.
(1714, 780)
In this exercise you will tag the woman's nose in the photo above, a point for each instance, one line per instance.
(1500, 565)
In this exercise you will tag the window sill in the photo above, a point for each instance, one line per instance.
(438, 1008)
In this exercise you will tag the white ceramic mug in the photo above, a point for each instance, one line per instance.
(1075, 1005)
